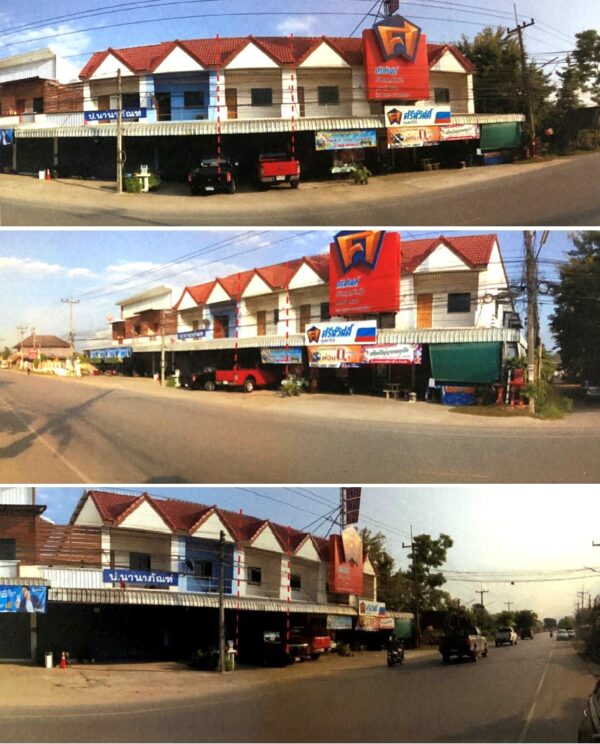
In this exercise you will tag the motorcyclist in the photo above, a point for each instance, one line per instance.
(394, 643)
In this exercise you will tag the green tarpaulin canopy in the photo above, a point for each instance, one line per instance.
(403, 628)
(466, 362)
(499, 136)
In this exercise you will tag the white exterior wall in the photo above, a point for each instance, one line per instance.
(308, 572)
(157, 546)
(492, 281)
(248, 312)
(243, 82)
(89, 516)
(312, 79)
(186, 318)
(45, 69)
(158, 302)
(73, 578)
(461, 93)
(440, 285)
(313, 296)
(109, 88)
(407, 316)
(289, 94)
(271, 567)
(360, 105)
(16, 496)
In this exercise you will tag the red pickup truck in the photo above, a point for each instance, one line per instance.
(309, 647)
(277, 167)
(247, 378)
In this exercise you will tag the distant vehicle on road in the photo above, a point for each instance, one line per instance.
(506, 636)
(589, 728)
(468, 641)
(274, 168)
(562, 634)
(526, 634)
(213, 174)
(592, 392)
(570, 632)
(204, 379)
(247, 378)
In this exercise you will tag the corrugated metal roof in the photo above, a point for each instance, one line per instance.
(486, 118)
(188, 599)
(181, 128)
(23, 581)
(260, 342)
(27, 58)
(449, 336)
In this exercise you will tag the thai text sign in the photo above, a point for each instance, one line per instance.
(413, 136)
(459, 132)
(133, 576)
(416, 116)
(185, 335)
(396, 64)
(393, 354)
(339, 622)
(372, 609)
(364, 273)
(293, 355)
(345, 140)
(112, 115)
(346, 562)
(118, 352)
(358, 332)
(23, 598)
(335, 357)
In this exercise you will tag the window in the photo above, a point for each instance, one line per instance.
(441, 95)
(387, 320)
(304, 318)
(162, 101)
(8, 549)
(103, 103)
(296, 582)
(459, 302)
(328, 95)
(203, 569)
(261, 323)
(276, 316)
(262, 96)
(325, 314)
(193, 99)
(140, 561)
(254, 576)
(131, 100)
(38, 105)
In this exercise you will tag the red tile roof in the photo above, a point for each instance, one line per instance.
(219, 52)
(436, 51)
(475, 250)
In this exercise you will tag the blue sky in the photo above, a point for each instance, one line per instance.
(62, 25)
(490, 534)
(40, 268)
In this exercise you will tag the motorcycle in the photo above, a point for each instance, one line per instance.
(395, 656)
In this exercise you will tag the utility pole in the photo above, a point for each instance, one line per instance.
(508, 604)
(531, 270)
(525, 75)
(163, 354)
(481, 592)
(70, 303)
(416, 602)
(221, 601)
(22, 330)
(119, 133)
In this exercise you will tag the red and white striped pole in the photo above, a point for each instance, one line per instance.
(293, 97)
(239, 579)
(218, 91)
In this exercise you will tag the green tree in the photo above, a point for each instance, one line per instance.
(575, 322)
(504, 618)
(587, 59)
(526, 619)
(498, 82)
(567, 99)
(567, 622)
(383, 563)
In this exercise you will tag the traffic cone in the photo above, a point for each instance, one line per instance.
(63, 661)
(48, 175)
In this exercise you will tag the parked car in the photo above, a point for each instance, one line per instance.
(248, 378)
(468, 641)
(570, 632)
(589, 728)
(277, 167)
(204, 379)
(269, 649)
(506, 635)
(592, 392)
(562, 634)
(309, 647)
(213, 174)
(526, 634)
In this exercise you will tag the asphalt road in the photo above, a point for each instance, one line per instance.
(555, 193)
(532, 692)
(61, 431)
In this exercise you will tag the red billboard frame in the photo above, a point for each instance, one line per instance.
(346, 562)
(364, 272)
(395, 79)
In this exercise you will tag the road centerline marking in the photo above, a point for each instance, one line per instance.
(529, 718)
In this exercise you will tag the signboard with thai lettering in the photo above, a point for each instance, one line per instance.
(135, 576)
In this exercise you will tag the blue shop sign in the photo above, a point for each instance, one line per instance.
(113, 115)
(191, 334)
(7, 137)
(133, 576)
(293, 355)
(23, 598)
(120, 352)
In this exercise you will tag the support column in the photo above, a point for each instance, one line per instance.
(55, 156)
(33, 620)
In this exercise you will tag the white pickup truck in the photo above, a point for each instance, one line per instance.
(506, 635)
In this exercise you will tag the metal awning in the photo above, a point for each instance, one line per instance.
(23, 581)
(238, 126)
(214, 344)
(450, 336)
(189, 599)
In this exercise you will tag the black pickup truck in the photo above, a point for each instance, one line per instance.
(213, 174)
(466, 641)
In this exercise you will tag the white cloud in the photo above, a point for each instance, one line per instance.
(302, 25)
(64, 39)
(28, 266)
(81, 271)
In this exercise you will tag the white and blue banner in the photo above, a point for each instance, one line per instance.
(133, 576)
(185, 335)
(119, 352)
(113, 115)
(7, 137)
(278, 355)
(23, 598)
